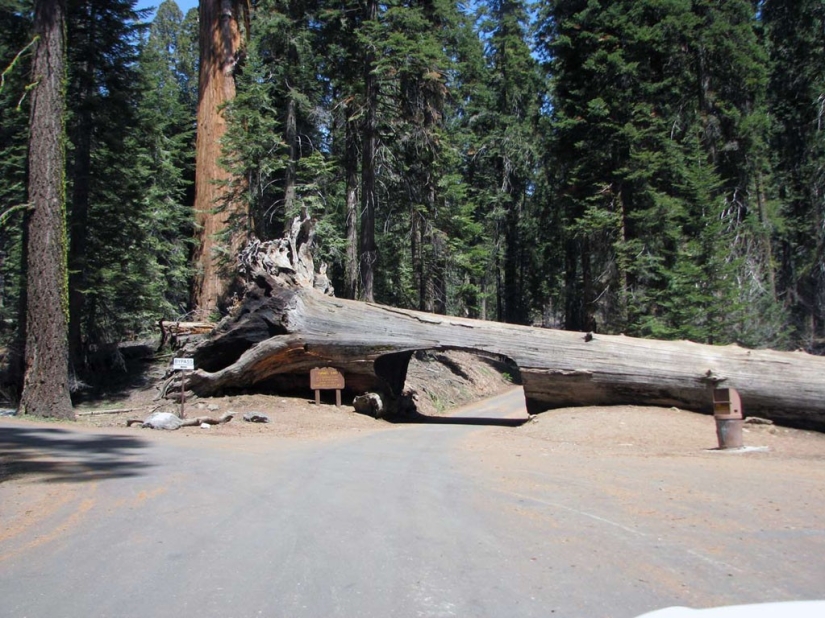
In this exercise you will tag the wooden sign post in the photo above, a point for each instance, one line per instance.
(183, 364)
(326, 378)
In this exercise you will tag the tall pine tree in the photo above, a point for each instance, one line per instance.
(103, 224)
(46, 380)
(165, 143)
(658, 131)
(796, 39)
(510, 149)
(16, 50)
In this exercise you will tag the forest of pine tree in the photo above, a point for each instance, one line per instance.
(647, 167)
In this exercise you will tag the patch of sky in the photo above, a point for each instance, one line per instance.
(184, 5)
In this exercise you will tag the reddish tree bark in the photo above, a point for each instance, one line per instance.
(220, 42)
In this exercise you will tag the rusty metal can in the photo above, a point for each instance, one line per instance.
(729, 433)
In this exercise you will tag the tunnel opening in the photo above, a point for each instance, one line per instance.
(448, 385)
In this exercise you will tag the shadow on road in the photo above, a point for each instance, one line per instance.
(460, 420)
(54, 455)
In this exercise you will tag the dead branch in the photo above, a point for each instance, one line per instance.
(207, 420)
(189, 422)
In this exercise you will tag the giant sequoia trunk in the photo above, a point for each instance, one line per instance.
(280, 333)
(215, 212)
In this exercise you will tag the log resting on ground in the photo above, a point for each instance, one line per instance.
(173, 331)
(280, 334)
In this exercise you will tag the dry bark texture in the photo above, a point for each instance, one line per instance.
(46, 380)
(279, 334)
(288, 324)
(177, 333)
(286, 262)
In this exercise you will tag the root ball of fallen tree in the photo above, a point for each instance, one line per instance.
(285, 326)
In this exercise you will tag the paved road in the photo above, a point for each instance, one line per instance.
(405, 522)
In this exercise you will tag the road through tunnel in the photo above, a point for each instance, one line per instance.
(430, 384)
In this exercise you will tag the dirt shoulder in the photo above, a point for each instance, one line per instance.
(436, 382)
(644, 431)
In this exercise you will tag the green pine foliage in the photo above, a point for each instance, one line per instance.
(107, 251)
(662, 182)
(795, 33)
(164, 143)
(510, 150)
(468, 121)
(651, 167)
(187, 60)
(275, 138)
(15, 26)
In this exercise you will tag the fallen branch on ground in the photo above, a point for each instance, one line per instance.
(179, 422)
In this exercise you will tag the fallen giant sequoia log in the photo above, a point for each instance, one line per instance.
(281, 333)
(288, 323)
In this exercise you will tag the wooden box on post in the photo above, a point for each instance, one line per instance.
(727, 404)
(326, 378)
(727, 410)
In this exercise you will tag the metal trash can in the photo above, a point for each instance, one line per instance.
(727, 410)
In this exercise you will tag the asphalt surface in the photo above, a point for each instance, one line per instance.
(407, 522)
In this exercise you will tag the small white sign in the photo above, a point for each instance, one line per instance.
(183, 364)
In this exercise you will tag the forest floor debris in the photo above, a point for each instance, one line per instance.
(438, 382)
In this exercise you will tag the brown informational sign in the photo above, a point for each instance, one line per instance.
(326, 378)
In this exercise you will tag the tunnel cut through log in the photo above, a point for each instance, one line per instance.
(371, 344)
